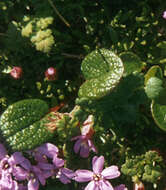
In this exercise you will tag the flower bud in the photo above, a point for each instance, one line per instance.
(87, 128)
(164, 14)
(16, 72)
(139, 186)
(51, 74)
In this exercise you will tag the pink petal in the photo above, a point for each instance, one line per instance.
(16, 158)
(48, 149)
(98, 165)
(91, 186)
(77, 146)
(83, 175)
(84, 151)
(45, 166)
(33, 184)
(6, 181)
(110, 172)
(22, 187)
(120, 187)
(94, 159)
(42, 179)
(64, 179)
(26, 164)
(15, 185)
(67, 172)
(58, 162)
(75, 138)
(105, 185)
(91, 145)
(20, 174)
(48, 173)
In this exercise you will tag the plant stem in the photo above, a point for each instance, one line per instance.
(3, 34)
(72, 56)
(58, 13)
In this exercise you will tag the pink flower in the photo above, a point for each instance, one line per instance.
(98, 177)
(47, 149)
(45, 154)
(7, 183)
(51, 74)
(120, 187)
(164, 14)
(14, 167)
(65, 175)
(84, 143)
(16, 72)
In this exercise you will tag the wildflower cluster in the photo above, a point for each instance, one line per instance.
(18, 173)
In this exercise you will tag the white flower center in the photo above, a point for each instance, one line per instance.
(97, 177)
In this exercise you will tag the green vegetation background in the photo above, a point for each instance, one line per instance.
(34, 37)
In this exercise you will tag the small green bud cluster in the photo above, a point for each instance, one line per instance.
(146, 167)
(37, 30)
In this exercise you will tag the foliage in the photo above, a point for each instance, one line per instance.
(102, 70)
(109, 58)
(146, 167)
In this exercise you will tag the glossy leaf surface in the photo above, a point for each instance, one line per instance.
(131, 62)
(102, 70)
(159, 114)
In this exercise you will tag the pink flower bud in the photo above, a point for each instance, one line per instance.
(51, 74)
(139, 186)
(164, 14)
(16, 72)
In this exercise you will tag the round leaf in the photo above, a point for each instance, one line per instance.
(154, 87)
(132, 63)
(162, 45)
(102, 70)
(154, 71)
(159, 114)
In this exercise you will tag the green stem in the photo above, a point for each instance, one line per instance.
(72, 56)
(58, 13)
(3, 34)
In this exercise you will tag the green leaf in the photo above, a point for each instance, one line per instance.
(162, 45)
(152, 174)
(132, 63)
(154, 71)
(154, 88)
(102, 70)
(113, 34)
(159, 114)
(7, 69)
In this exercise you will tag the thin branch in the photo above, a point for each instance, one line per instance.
(58, 13)
(72, 56)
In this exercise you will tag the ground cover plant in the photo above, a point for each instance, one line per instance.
(82, 95)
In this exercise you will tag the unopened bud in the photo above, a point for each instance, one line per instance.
(51, 74)
(139, 186)
(164, 14)
(16, 72)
